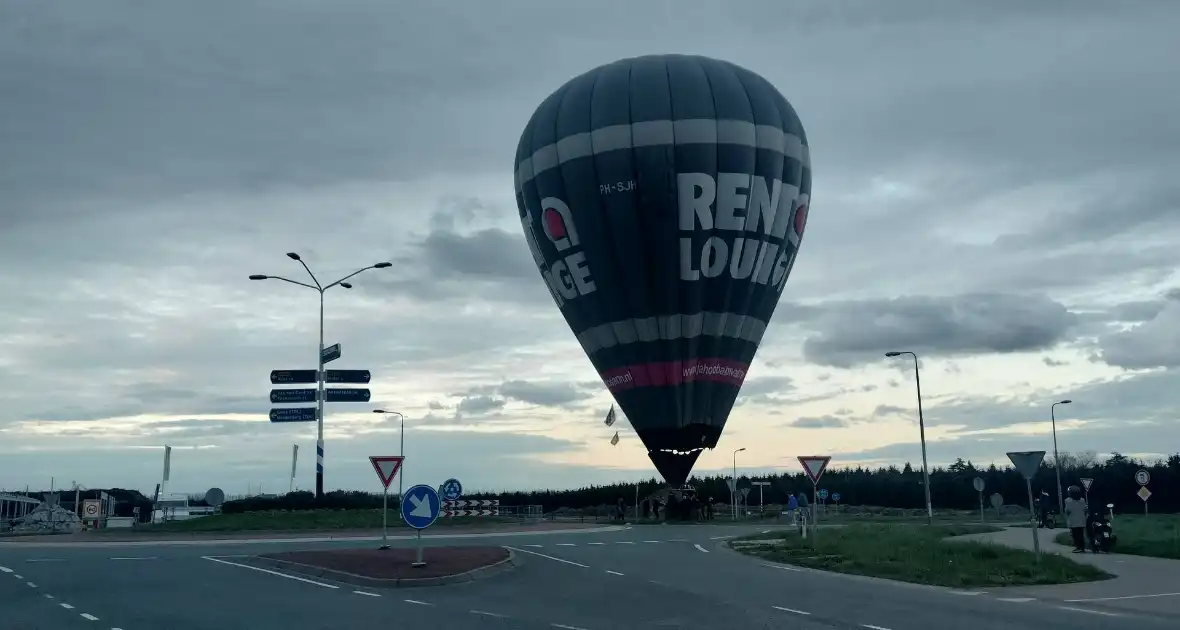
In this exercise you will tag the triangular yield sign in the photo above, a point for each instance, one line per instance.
(386, 467)
(814, 465)
(1027, 462)
(1086, 483)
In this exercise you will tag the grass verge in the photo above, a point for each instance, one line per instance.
(921, 555)
(309, 520)
(1155, 535)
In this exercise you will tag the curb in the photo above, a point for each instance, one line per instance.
(307, 570)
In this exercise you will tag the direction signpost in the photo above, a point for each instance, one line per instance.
(420, 508)
(761, 503)
(978, 484)
(347, 394)
(284, 396)
(387, 467)
(292, 377)
(352, 377)
(1027, 463)
(329, 354)
(814, 466)
(293, 414)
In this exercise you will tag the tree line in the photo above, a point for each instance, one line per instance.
(951, 487)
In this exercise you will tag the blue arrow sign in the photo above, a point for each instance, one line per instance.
(292, 377)
(451, 489)
(293, 414)
(347, 376)
(836, 497)
(329, 354)
(347, 394)
(420, 507)
(823, 494)
(280, 396)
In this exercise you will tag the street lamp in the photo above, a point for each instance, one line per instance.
(733, 491)
(401, 449)
(319, 288)
(1056, 460)
(922, 433)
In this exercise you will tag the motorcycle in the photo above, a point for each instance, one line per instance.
(1048, 520)
(1102, 538)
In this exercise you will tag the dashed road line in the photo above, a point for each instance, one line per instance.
(45, 560)
(48, 596)
(651, 541)
(596, 543)
(548, 557)
(967, 593)
(624, 542)
(260, 569)
(5, 570)
(565, 627)
(366, 593)
(720, 537)
(700, 548)
(1092, 612)
(533, 546)
(872, 627)
(791, 610)
(1017, 600)
(566, 545)
(89, 617)
(31, 585)
(782, 567)
(18, 576)
(135, 558)
(1111, 599)
(614, 572)
(66, 606)
(485, 613)
(417, 602)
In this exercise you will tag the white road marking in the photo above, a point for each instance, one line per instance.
(1110, 599)
(1092, 612)
(420, 603)
(46, 560)
(31, 585)
(554, 558)
(675, 540)
(596, 543)
(766, 531)
(135, 558)
(368, 594)
(782, 567)
(565, 627)
(5, 570)
(486, 613)
(533, 546)
(958, 592)
(566, 545)
(260, 569)
(625, 542)
(700, 548)
(48, 596)
(651, 541)
(872, 627)
(1017, 600)
(89, 616)
(791, 610)
(720, 537)
(18, 576)
(66, 606)
(613, 572)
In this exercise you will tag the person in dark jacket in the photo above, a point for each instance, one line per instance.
(1076, 513)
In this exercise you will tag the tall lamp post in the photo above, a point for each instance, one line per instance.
(921, 432)
(401, 448)
(733, 492)
(319, 288)
(1056, 460)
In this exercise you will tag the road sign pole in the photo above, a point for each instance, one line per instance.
(319, 442)
(420, 562)
(1032, 524)
(385, 517)
(982, 519)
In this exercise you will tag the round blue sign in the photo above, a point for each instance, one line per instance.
(420, 506)
(836, 497)
(451, 490)
(823, 494)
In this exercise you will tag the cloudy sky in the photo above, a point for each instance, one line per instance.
(995, 189)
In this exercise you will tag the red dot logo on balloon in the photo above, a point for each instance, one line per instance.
(800, 219)
(554, 224)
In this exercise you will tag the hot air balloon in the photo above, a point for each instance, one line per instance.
(664, 199)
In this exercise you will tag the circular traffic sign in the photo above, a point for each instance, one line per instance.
(451, 490)
(978, 483)
(91, 509)
(836, 497)
(420, 506)
(1142, 477)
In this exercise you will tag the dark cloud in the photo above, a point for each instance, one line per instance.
(851, 333)
(1152, 344)
(543, 394)
(818, 422)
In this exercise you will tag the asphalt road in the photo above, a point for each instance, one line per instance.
(642, 577)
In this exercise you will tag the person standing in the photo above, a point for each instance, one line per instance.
(792, 508)
(1076, 512)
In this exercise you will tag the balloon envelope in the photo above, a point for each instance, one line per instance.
(664, 200)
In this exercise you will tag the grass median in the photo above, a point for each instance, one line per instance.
(321, 520)
(1156, 535)
(919, 554)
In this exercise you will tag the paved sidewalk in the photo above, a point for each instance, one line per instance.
(1142, 584)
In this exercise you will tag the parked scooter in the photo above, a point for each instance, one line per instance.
(1102, 538)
